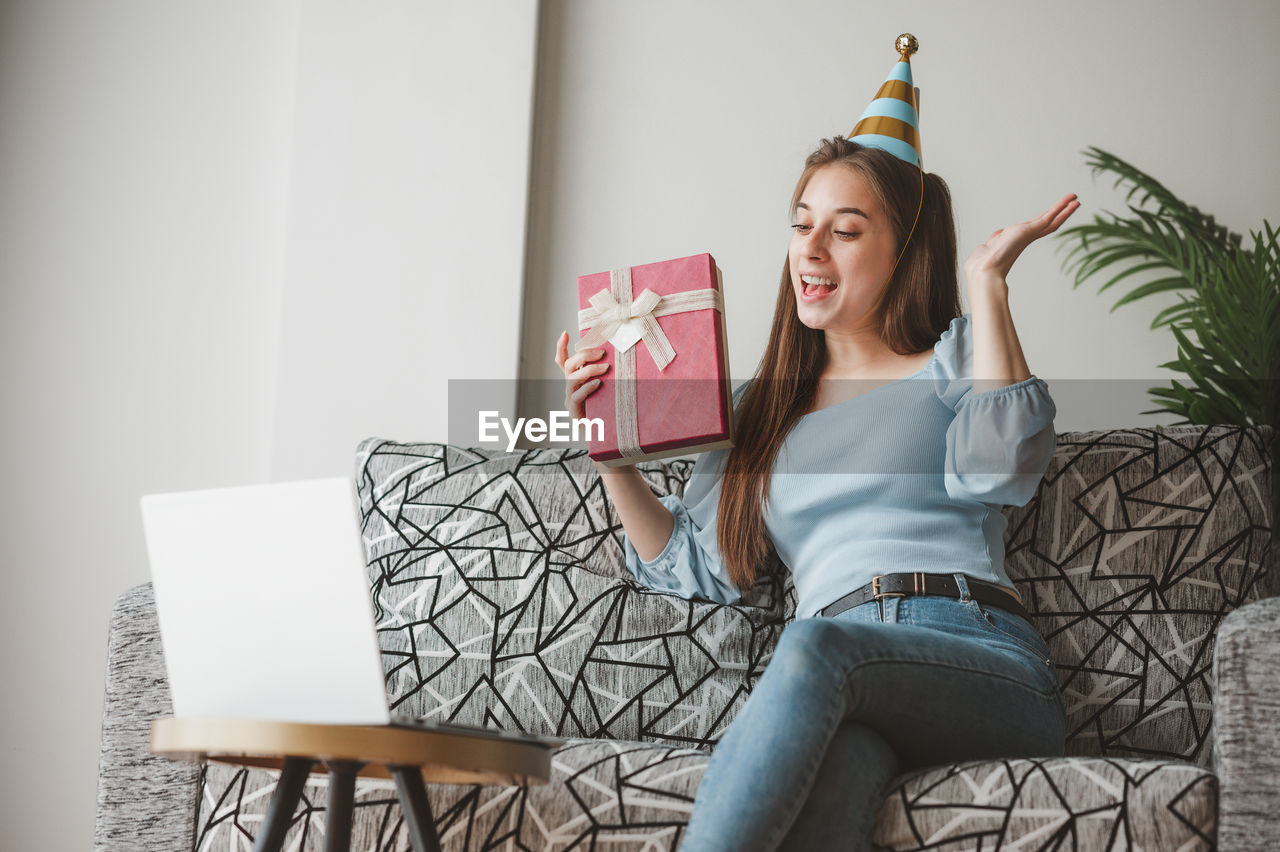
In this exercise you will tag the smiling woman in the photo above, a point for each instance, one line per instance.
(885, 507)
(844, 252)
(860, 224)
(833, 244)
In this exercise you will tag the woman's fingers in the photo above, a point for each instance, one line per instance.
(1070, 207)
(574, 400)
(587, 372)
(578, 360)
(1053, 218)
(568, 362)
(1057, 206)
(562, 349)
(1059, 215)
(1047, 222)
(585, 391)
(581, 376)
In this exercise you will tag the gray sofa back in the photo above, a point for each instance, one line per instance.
(501, 596)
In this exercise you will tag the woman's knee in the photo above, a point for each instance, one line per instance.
(810, 644)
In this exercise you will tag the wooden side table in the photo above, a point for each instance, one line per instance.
(409, 755)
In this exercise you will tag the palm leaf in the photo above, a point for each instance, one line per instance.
(1151, 190)
(1161, 286)
(1175, 313)
(1226, 323)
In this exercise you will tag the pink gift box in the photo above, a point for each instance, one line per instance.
(685, 407)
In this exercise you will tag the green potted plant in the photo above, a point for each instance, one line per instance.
(1227, 320)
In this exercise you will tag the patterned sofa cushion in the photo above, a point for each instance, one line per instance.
(501, 599)
(638, 796)
(1136, 546)
(604, 794)
(1054, 803)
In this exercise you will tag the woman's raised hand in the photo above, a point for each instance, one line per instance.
(579, 374)
(994, 258)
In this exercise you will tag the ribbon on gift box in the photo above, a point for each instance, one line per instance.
(613, 308)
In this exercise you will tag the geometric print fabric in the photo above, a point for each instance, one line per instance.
(1138, 543)
(638, 796)
(1052, 803)
(605, 794)
(501, 599)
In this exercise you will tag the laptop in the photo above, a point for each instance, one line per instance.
(262, 595)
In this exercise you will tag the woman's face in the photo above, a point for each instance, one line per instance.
(842, 250)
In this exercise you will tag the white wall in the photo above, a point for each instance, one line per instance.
(144, 152)
(198, 291)
(669, 128)
(406, 221)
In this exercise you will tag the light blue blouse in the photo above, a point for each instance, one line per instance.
(907, 476)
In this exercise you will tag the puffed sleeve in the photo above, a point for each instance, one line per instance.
(690, 564)
(1001, 440)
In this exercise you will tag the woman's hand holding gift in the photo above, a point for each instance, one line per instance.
(581, 376)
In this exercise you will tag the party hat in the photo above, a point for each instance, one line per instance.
(892, 120)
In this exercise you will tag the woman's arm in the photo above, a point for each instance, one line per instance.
(647, 522)
(997, 354)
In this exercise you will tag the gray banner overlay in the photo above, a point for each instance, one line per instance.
(502, 416)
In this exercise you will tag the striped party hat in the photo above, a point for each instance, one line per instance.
(892, 121)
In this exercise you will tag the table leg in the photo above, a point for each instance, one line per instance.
(293, 776)
(416, 809)
(342, 795)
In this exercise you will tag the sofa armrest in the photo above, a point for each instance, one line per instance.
(145, 802)
(1246, 730)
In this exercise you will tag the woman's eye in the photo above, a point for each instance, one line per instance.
(804, 229)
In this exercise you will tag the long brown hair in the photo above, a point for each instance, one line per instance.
(914, 310)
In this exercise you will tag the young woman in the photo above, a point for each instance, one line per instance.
(876, 443)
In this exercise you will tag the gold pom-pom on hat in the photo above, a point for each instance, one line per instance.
(906, 45)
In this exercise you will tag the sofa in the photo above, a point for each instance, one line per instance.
(501, 599)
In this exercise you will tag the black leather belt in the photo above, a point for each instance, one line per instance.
(919, 583)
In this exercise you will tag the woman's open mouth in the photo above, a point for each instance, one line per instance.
(814, 287)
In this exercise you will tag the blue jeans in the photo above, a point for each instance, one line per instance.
(849, 702)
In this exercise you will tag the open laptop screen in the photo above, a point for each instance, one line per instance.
(263, 602)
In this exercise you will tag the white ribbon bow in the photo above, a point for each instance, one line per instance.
(613, 307)
(609, 314)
